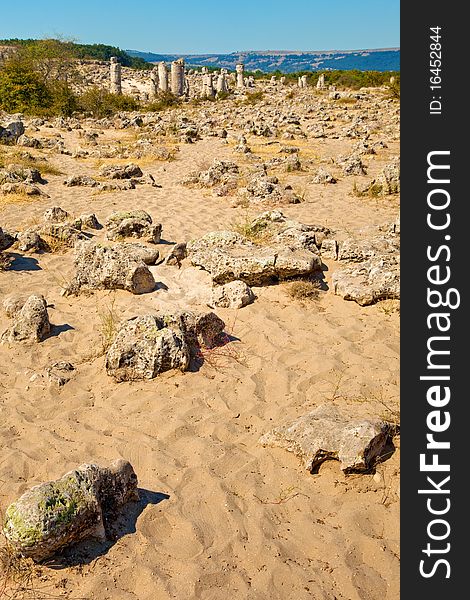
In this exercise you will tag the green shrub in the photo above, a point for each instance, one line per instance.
(253, 97)
(163, 101)
(21, 89)
(101, 103)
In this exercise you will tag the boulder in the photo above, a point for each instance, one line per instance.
(326, 433)
(148, 345)
(377, 278)
(322, 176)
(228, 256)
(55, 214)
(235, 294)
(59, 373)
(30, 321)
(11, 132)
(6, 240)
(54, 515)
(137, 223)
(121, 172)
(101, 267)
(81, 180)
(30, 240)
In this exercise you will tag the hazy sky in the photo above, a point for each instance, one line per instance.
(200, 26)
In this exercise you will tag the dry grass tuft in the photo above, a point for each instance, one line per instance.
(303, 290)
(389, 307)
(109, 326)
(255, 232)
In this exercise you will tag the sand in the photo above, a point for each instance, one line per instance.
(220, 516)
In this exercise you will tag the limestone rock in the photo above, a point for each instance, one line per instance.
(6, 240)
(235, 294)
(326, 433)
(30, 240)
(322, 176)
(51, 516)
(30, 322)
(103, 267)
(81, 180)
(55, 214)
(148, 345)
(121, 172)
(228, 256)
(377, 278)
(59, 373)
(137, 223)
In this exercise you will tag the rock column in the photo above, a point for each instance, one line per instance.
(240, 68)
(207, 86)
(115, 73)
(162, 77)
(177, 77)
(154, 82)
(321, 82)
(222, 86)
(304, 81)
(283, 80)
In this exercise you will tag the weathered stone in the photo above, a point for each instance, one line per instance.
(23, 188)
(352, 165)
(137, 223)
(102, 267)
(90, 221)
(228, 256)
(115, 76)
(6, 240)
(81, 180)
(30, 240)
(326, 433)
(52, 516)
(121, 172)
(59, 373)
(235, 294)
(10, 133)
(176, 255)
(30, 322)
(56, 214)
(149, 345)
(377, 278)
(322, 176)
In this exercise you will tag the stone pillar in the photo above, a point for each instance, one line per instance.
(115, 74)
(283, 80)
(207, 86)
(392, 80)
(300, 82)
(177, 77)
(321, 82)
(304, 81)
(251, 81)
(162, 77)
(240, 68)
(222, 85)
(273, 79)
(153, 82)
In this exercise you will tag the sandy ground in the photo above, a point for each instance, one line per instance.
(220, 516)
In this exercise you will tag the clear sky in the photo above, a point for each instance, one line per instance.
(208, 26)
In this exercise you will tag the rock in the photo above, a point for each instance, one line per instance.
(388, 182)
(137, 251)
(377, 278)
(148, 345)
(352, 165)
(81, 180)
(329, 249)
(176, 255)
(30, 322)
(28, 142)
(16, 173)
(137, 223)
(102, 267)
(6, 240)
(326, 433)
(357, 249)
(60, 373)
(235, 294)
(221, 171)
(90, 221)
(23, 189)
(121, 172)
(10, 133)
(5, 261)
(55, 214)
(228, 256)
(13, 304)
(30, 240)
(322, 176)
(51, 516)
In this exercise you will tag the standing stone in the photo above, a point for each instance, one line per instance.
(300, 82)
(222, 86)
(304, 81)
(392, 80)
(177, 77)
(240, 76)
(162, 77)
(153, 82)
(273, 79)
(251, 81)
(115, 73)
(321, 82)
(282, 80)
(207, 86)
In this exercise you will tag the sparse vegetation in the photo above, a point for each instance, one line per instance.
(101, 103)
(255, 232)
(109, 326)
(164, 101)
(253, 97)
(303, 290)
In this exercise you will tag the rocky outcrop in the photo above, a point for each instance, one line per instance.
(51, 516)
(30, 320)
(327, 433)
(104, 267)
(148, 345)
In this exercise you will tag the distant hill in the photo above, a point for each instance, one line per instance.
(386, 59)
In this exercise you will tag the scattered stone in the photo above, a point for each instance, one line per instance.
(177, 254)
(51, 516)
(148, 345)
(235, 294)
(30, 240)
(55, 214)
(137, 223)
(81, 180)
(30, 322)
(326, 433)
(101, 267)
(121, 172)
(60, 373)
(322, 176)
(6, 240)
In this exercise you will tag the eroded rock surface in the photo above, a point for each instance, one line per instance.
(30, 320)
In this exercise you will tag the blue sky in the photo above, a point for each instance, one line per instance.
(203, 26)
